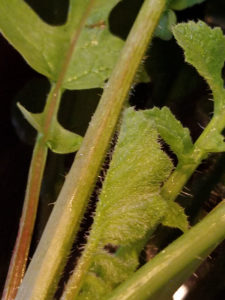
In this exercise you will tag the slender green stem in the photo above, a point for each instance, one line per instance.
(45, 268)
(201, 148)
(21, 249)
(22, 245)
(174, 185)
(74, 284)
(160, 277)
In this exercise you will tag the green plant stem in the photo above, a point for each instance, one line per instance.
(184, 170)
(181, 258)
(74, 284)
(44, 270)
(21, 249)
(22, 245)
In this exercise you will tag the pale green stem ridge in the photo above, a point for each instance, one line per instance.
(44, 270)
(185, 254)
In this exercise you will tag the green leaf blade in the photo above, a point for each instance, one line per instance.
(63, 141)
(205, 49)
(97, 49)
(182, 4)
(175, 217)
(35, 120)
(58, 139)
(46, 47)
(166, 22)
(172, 131)
(26, 32)
(93, 59)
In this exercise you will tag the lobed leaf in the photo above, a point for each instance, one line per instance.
(204, 48)
(172, 131)
(45, 46)
(62, 141)
(59, 140)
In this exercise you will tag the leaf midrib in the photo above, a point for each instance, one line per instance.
(51, 110)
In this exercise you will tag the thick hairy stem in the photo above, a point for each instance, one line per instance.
(43, 273)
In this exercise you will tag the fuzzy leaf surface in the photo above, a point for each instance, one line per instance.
(44, 46)
(141, 166)
(204, 48)
(172, 131)
(130, 206)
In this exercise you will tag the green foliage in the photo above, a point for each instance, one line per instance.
(62, 141)
(159, 278)
(130, 206)
(175, 217)
(182, 4)
(215, 142)
(45, 47)
(80, 54)
(172, 131)
(59, 139)
(164, 28)
(169, 19)
(204, 48)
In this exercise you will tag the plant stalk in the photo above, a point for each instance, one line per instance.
(159, 278)
(201, 149)
(44, 270)
(74, 284)
(21, 249)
